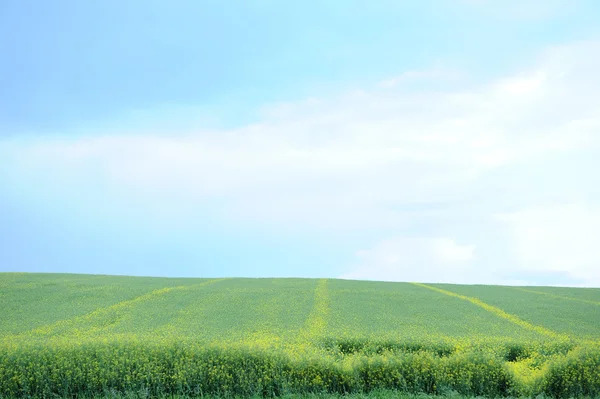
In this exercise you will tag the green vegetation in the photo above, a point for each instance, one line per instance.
(76, 335)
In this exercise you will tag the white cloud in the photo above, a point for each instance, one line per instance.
(415, 259)
(548, 245)
(438, 75)
(448, 251)
(361, 160)
(558, 238)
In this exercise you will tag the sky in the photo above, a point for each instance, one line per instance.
(451, 141)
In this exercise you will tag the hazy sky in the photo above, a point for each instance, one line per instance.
(435, 141)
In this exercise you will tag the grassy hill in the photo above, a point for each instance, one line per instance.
(276, 336)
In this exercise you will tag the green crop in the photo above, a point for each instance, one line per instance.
(76, 335)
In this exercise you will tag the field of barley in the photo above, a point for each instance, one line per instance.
(66, 335)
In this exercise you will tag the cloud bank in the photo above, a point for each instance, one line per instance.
(455, 181)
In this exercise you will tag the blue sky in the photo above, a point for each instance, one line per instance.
(436, 141)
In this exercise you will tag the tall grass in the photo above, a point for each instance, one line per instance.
(71, 369)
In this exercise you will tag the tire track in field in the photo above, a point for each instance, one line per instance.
(268, 330)
(105, 316)
(316, 322)
(557, 296)
(497, 312)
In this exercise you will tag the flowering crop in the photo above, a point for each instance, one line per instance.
(70, 335)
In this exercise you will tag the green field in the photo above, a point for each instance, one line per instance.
(82, 335)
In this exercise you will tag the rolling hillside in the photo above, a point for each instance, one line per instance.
(51, 305)
(523, 332)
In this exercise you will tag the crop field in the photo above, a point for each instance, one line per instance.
(82, 336)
